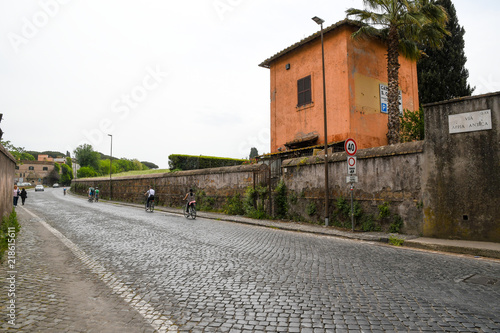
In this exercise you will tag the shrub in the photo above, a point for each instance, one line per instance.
(8, 224)
(384, 211)
(253, 202)
(234, 205)
(396, 241)
(311, 209)
(397, 224)
(189, 162)
(280, 200)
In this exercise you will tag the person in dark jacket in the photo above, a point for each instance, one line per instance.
(23, 195)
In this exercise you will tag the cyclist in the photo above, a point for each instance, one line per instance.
(96, 194)
(151, 195)
(91, 193)
(64, 190)
(190, 199)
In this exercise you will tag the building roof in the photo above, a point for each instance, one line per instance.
(267, 63)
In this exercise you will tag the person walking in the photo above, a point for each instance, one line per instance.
(23, 195)
(16, 195)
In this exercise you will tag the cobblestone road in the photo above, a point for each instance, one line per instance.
(136, 271)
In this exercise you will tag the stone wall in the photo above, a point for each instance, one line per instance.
(7, 170)
(386, 174)
(461, 180)
(216, 184)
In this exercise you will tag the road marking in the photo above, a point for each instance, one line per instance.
(154, 317)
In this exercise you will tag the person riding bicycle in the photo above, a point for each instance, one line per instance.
(96, 193)
(151, 195)
(190, 199)
(91, 193)
(64, 190)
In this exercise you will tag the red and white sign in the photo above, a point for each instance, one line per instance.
(350, 147)
(351, 165)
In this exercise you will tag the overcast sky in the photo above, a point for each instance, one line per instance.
(167, 77)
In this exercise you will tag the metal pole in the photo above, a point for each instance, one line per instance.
(110, 165)
(326, 136)
(352, 206)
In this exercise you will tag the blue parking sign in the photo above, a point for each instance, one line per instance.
(384, 107)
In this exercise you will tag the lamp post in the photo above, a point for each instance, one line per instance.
(110, 164)
(320, 22)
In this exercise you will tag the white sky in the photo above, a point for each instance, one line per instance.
(166, 76)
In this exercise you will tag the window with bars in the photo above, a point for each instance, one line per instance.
(304, 91)
(31, 168)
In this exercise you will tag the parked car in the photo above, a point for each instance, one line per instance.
(56, 185)
(39, 188)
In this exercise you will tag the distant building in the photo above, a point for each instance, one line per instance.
(356, 80)
(34, 172)
(45, 158)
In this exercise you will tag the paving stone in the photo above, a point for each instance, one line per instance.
(208, 275)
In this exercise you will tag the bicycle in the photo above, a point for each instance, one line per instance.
(190, 211)
(91, 198)
(151, 207)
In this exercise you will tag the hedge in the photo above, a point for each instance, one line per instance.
(189, 162)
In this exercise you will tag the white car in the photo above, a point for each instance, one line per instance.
(39, 188)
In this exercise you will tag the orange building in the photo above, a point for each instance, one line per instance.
(356, 76)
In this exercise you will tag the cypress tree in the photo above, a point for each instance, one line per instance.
(441, 72)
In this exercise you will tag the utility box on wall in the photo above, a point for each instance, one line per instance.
(461, 178)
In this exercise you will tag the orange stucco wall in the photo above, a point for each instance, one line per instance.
(354, 70)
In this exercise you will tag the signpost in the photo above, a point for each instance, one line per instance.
(351, 148)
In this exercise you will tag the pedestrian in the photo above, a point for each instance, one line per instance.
(16, 195)
(23, 195)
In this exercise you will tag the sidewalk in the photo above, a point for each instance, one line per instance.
(473, 248)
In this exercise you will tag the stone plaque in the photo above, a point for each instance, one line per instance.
(470, 121)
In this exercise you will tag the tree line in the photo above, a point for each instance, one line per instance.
(94, 164)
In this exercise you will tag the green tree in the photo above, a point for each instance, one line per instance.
(441, 72)
(57, 167)
(69, 162)
(86, 172)
(87, 157)
(66, 174)
(104, 166)
(53, 177)
(254, 153)
(403, 25)
(19, 153)
(412, 125)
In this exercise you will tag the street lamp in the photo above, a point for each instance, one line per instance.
(320, 22)
(110, 164)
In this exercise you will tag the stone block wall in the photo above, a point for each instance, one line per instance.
(461, 180)
(215, 183)
(7, 171)
(389, 174)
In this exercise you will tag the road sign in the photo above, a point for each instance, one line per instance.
(351, 179)
(351, 165)
(350, 147)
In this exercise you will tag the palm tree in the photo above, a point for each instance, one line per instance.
(403, 25)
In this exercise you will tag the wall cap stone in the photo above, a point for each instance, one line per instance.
(230, 169)
(7, 154)
(461, 99)
(406, 148)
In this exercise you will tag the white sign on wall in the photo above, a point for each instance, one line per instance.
(383, 99)
(470, 121)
